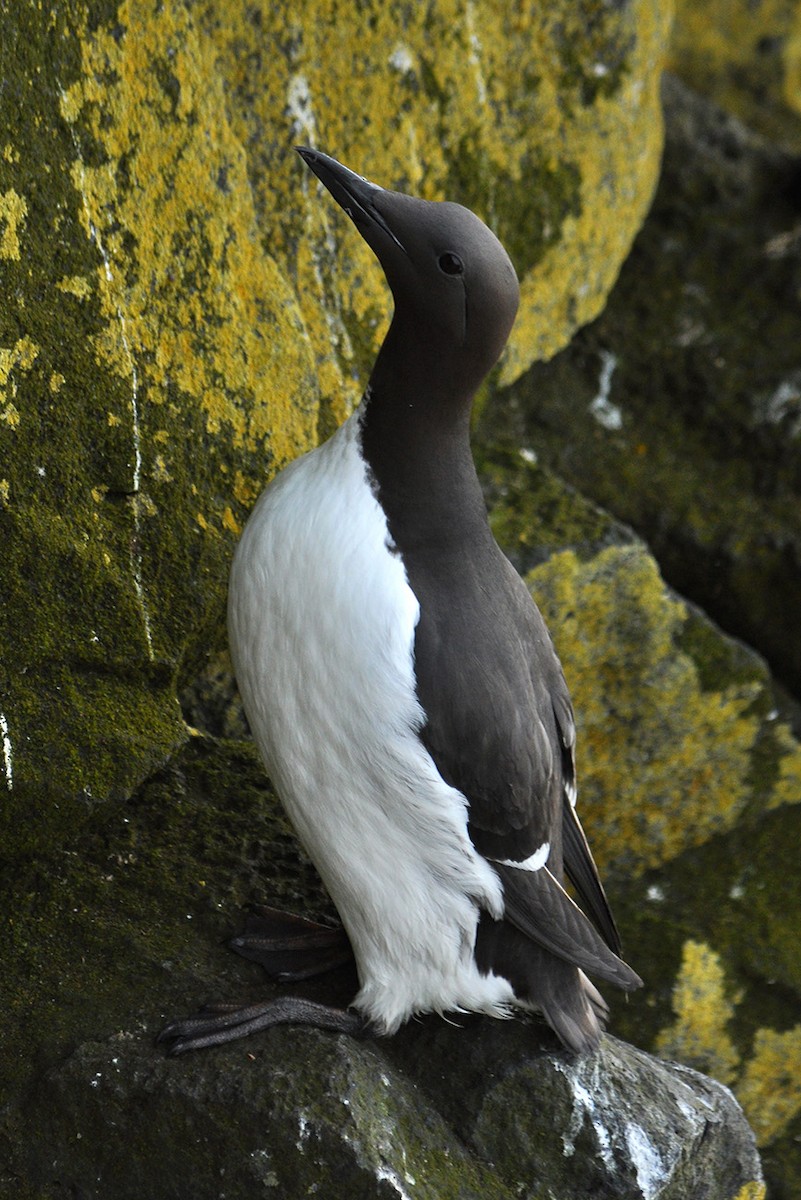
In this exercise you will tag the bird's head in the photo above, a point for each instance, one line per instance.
(452, 281)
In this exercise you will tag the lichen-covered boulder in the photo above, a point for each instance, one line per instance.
(176, 304)
(479, 1114)
(153, 367)
(683, 400)
(679, 736)
(747, 58)
(691, 793)
(683, 409)
(142, 905)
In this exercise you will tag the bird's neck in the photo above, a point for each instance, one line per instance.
(415, 433)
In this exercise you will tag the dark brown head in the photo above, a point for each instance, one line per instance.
(454, 286)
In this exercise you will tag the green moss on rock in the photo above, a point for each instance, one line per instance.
(533, 514)
(301, 1112)
(130, 920)
(176, 299)
(149, 351)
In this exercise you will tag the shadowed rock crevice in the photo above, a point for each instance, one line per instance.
(683, 400)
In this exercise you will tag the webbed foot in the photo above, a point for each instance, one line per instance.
(220, 1023)
(288, 947)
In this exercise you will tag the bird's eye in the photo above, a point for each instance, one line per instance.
(451, 264)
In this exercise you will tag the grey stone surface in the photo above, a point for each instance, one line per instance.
(488, 1112)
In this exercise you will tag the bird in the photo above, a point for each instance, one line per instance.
(403, 689)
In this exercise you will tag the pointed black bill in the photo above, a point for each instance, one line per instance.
(352, 192)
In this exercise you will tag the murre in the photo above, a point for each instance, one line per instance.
(403, 689)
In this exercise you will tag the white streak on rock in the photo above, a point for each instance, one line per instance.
(646, 1160)
(585, 1109)
(606, 413)
(8, 756)
(618, 1134)
(392, 1177)
(474, 57)
(303, 1130)
(401, 59)
(299, 109)
(784, 403)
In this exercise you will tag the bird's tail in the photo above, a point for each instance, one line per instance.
(544, 945)
(571, 1005)
(538, 906)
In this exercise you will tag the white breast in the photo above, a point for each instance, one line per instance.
(321, 624)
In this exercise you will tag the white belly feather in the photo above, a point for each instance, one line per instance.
(321, 624)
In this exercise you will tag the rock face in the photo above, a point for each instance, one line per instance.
(683, 422)
(129, 930)
(179, 317)
(684, 398)
(138, 393)
(478, 1114)
(172, 294)
(140, 910)
(745, 57)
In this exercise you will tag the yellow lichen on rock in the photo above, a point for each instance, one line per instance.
(746, 57)
(10, 414)
(13, 210)
(214, 239)
(189, 294)
(546, 121)
(788, 785)
(663, 764)
(751, 1191)
(76, 285)
(792, 64)
(614, 148)
(770, 1087)
(766, 1082)
(698, 1036)
(21, 357)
